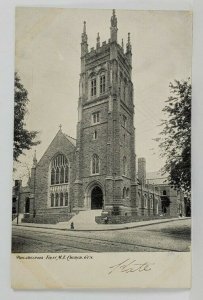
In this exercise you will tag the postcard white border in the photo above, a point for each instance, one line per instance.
(101, 270)
(6, 93)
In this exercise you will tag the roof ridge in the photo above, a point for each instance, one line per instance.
(70, 136)
(70, 139)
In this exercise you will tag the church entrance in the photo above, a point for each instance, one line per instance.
(96, 198)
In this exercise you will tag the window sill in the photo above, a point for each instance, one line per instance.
(95, 123)
(58, 184)
(65, 206)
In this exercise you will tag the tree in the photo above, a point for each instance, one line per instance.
(175, 141)
(23, 138)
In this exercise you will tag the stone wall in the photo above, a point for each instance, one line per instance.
(128, 219)
(52, 218)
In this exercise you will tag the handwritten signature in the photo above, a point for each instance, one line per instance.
(130, 266)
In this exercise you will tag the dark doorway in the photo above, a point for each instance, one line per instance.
(165, 204)
(27, 206)
(96, 198)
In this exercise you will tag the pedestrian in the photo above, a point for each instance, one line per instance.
(106, 220)
(72, 226)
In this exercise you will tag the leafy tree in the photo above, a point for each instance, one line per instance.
(23, 138)
(175, 141)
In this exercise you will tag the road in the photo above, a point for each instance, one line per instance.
(171, 236)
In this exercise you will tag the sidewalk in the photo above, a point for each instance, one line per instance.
(100, 227)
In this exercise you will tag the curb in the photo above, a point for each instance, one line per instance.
(107, 229)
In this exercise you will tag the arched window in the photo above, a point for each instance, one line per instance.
(57, 175)
(61, 199)
(95, 164)
(122, 87)
(127, 192)
(62, 175)
(102, 84)
(95, 135)
(96, 117)
(52, 176)
(120, 82)
(124, 165)
(57, 200)
(164, 192)
(93, 87)
(66, 174)
(59, 170)
(52, 200)
(145, 201)
(66, 199)
(124, 193)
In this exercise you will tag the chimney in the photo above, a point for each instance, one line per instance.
(142, 170)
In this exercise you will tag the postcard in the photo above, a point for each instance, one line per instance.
(102, 149)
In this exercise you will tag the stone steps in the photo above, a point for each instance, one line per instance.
(82, 220)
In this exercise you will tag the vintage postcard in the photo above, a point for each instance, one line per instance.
(102, 149)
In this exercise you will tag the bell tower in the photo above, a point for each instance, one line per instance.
(105, 150)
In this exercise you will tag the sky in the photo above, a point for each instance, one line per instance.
(47, 59)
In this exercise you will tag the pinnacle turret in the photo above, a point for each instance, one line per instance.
(84, 44)
(84, 34)
(113, 28)
(128, 50)
(122, 44)
(128, 45)
(98, 41)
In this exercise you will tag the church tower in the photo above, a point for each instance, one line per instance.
(105, 149)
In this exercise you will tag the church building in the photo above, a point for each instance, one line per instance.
(98, 169)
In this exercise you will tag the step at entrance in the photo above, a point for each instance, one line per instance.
(84, 219)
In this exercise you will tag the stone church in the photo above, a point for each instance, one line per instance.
(98, 169)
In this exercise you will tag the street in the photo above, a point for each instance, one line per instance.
(170, 236)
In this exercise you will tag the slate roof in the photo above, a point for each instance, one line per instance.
(71, 139)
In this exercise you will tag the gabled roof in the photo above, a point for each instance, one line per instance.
(156, 178)
(71, 139)
(60, 135)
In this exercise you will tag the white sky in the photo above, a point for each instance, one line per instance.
(48, 62)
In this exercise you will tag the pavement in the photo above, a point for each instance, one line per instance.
(91, 225)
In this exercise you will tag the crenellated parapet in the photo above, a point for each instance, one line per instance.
(107, 64)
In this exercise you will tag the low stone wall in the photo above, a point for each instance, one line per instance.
(45, 219)
(128, 219)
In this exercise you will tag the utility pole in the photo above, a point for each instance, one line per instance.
(17, 190)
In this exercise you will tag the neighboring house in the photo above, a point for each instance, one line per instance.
(20, 199)
(173, 201)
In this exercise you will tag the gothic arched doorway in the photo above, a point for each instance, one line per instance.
(96, 198)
